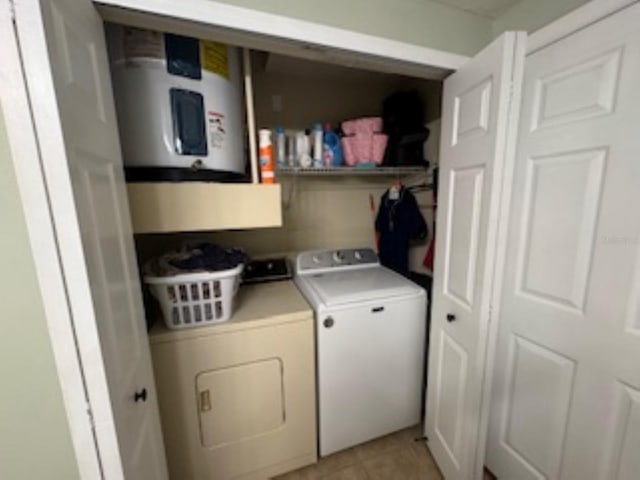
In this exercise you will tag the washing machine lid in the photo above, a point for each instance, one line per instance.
(360, 285)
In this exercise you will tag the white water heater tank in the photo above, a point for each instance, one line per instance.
(179, 105)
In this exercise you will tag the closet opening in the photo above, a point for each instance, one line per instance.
(165, 112)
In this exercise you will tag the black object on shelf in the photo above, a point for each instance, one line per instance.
(267, 270)
(403, 116)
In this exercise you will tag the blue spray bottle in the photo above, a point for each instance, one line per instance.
(331, 148)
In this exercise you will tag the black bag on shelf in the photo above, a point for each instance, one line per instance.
(403, 117)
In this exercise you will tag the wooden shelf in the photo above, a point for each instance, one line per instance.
(191, 206)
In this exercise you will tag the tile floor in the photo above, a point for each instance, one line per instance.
(394, 457)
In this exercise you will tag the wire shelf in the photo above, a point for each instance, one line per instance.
(375, 171)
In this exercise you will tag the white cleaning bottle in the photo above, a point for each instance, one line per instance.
(317, 146)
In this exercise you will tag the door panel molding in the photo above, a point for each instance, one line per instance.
(624, 462)
(558, 226)
(465, 195)
(598, 76)
(471, 111)
(534, 399)
(451, 395)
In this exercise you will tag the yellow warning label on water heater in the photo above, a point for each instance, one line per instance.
(214, 58)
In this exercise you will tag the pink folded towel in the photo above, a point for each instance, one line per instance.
(365, 125)
(364, 148)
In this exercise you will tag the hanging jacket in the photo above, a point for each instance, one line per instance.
(397, 222)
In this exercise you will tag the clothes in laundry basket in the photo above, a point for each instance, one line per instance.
(201, 257)
(398, 221)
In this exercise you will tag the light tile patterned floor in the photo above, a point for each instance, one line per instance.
(394, 457)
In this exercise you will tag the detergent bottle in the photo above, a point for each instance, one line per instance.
(266, 156)
(331, 148)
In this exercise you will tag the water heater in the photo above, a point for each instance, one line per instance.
(179, 106)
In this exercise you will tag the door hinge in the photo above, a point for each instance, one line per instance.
(512, 89)
(90, 415)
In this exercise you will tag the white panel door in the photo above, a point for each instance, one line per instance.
(479, 111)
(64, 56)
(566, 398)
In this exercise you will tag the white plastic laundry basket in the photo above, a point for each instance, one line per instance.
(196, 299)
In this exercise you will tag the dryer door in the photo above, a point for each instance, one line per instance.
(248, 400)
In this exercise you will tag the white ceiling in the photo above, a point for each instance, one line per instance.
(487, 8)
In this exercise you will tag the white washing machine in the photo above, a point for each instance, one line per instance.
(370, 335)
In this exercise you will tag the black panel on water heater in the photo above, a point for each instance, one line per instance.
(189, 127)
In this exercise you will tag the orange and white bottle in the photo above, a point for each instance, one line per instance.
(266, 156)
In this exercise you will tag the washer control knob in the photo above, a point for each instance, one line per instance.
(338, 256)
(358, 255)
(328, 322)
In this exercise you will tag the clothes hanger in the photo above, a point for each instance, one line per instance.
(396, 186)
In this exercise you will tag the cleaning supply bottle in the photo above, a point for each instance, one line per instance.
(303, 159)
(266, 156)
(291, 149)
(331, 148)
(281, 159)
(317, 145)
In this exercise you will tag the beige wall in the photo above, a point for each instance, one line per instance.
(422, 22)
(34, 437)
(530, 15)
(310, 92)
(319, 213)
